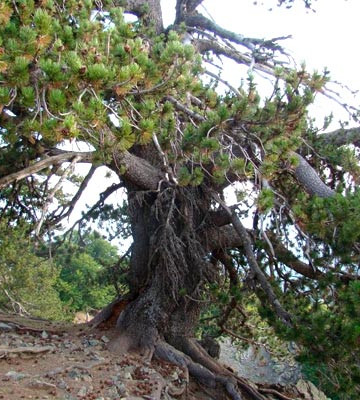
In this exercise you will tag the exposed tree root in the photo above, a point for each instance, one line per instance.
(206, 370)
(109, 314)
(184, 352)
(199, 357)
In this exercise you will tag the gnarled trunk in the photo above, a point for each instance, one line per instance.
(167, 268)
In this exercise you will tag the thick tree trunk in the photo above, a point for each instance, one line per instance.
(167, 268)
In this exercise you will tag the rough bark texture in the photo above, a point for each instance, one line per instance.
(167, 269)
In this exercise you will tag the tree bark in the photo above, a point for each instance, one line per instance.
(167, 268)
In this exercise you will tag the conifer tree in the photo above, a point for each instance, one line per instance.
(135, 93)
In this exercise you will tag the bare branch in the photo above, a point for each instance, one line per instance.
(52, 194)
(204, 46)
(199, 21)
(102, 197)
(286, 257)
(70, 206)
(185, 109)
(283, 315)
(42, 164)
(340, 137)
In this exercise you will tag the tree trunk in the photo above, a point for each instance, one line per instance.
(167, 268)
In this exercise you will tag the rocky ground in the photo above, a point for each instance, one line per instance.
(43, 360)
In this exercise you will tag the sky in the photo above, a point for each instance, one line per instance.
(327, 38)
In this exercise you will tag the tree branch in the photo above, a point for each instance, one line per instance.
(102, 197)
(286, 257)
(199, 21)
(42, 164)
(204, 45)
(283, 315)
(310, 180)
(70, 206)
(340, 137)
(185, 109)
(51, 195)
(148, 10)
(136, 170)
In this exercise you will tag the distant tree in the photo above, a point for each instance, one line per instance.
(27, 281)
(79, 72)
(86, 267)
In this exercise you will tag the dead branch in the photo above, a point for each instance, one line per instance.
(51, 195)
(42, 164)
(283, 315)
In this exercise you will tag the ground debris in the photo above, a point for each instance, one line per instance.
(5, 350)
(73, 363)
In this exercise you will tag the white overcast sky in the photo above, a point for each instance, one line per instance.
(328, 37)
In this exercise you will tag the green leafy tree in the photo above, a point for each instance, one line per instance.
(27, 281)
(79, 72)
(86, 280)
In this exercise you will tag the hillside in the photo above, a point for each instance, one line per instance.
(45, 360)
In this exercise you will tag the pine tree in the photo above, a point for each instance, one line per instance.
(79, 72)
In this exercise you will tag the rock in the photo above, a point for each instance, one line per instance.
(82, 391)
(68, 396)
(258, 365)
(93, 342)
(96, 357)
(112, 392)
(37, 384)
(62, 384)
(74, 374)
(44, 335)
(6, 327)
(105, 339)
(16, 376)
(309, 391)
(121, 388)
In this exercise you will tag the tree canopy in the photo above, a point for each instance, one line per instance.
(142, 100)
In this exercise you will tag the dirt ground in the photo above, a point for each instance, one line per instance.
(45, 360)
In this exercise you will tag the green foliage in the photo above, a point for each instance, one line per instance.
(85, 272)
(265, 200)
(335, 220)
(26, 280)
(329, 331)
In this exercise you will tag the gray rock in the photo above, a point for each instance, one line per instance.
(44, 335)
(82, 391)
(62, 384)
(38, 384)
(112, 392)
(257, 364)
(105, 339)
(16, 376)
(309, 391)
(68, 396)
(74, 374)
(6, 327)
